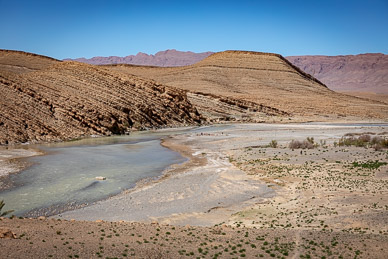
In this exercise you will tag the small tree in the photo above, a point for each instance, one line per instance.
(2, 214)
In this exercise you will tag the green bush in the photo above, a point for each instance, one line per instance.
(273, 144)
(369, 164)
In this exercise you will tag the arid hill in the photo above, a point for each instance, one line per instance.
(352, 74)
(167, 58)
(22, 62)
(42, 99)
(358, 73)
(264, 79)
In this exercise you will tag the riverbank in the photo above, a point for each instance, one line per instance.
(212, 188)
(11, 161)
(204, 191)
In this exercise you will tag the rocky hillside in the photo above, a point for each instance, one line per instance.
(42, 99)
(167, 58)
(264, 79)
(358, 73)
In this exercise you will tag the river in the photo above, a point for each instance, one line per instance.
(66, 175)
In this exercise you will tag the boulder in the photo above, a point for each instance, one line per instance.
(7, 233)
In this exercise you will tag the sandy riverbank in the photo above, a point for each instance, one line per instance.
(11, 161)
(209, 189)
(204, 191)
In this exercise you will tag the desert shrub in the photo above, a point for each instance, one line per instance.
(376, 140)
(310, 140)
(345, 141)
(273, 144)
(352, 141)
(305, 144)
(378, 147)
(364, 140)
(295, 144)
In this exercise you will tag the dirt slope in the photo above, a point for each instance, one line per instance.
(63, 100)
(352, 73)
(167, 58)
(261, 78)
(22, 62)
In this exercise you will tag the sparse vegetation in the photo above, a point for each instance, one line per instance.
(369, 164)
(308, 143)
(273, 144)
(364, 140)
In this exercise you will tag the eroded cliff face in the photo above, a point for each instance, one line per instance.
(65, 100)
(264, 79)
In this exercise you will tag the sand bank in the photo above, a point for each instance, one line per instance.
(204, 191)
(11, 162)
(208, 189)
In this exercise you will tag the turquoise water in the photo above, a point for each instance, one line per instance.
(67, 173)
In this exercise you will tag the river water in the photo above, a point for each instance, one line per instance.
(66, 174)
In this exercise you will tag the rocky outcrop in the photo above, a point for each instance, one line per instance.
(167, 58)
(226, 109)
(352, 73)
(7, 233)
(65, 100)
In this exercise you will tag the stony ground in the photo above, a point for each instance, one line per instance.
(50, 238)
(333, 188)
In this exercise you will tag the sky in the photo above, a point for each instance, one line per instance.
(82, 28)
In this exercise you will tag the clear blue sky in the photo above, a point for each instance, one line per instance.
(77, 28)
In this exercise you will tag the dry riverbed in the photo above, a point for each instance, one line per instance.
(236, 197)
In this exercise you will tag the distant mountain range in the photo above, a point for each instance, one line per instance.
(358, 73)
(167, 58)
(351, 73)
